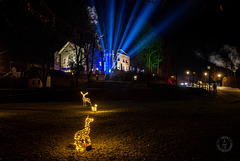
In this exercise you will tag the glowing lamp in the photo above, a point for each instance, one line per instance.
(94, 108)
(219, 75)
(187, 72)
(205, 74)
(81, 138)
(135, 77)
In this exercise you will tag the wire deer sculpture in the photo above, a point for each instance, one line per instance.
(85, 100)
(81, 137)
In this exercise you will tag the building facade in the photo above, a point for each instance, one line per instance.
(106, 62)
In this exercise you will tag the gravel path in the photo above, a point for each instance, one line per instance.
(186, 129)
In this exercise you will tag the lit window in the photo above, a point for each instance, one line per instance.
(126, 68)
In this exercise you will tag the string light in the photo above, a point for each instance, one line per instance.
(94, 108)
(85, 100)
(81, 137)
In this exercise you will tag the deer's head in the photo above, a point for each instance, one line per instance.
(84, 94)
(89, 119)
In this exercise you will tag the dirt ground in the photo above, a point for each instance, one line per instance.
(181, 129)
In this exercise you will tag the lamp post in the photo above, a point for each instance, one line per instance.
(193, 78)
(219, 78)
(209, 69)
(205, 78)
(187, 72)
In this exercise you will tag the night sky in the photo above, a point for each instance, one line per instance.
(204, 27)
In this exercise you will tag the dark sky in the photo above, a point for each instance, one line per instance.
(204, 27)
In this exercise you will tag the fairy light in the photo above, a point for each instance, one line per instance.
(94, 108)
(81, 137)
(85, 100)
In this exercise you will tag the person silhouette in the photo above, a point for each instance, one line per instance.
(214, 87)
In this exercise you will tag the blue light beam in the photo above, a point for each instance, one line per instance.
(119, 23)
(144, 15)
(130, 22)
(161, 27)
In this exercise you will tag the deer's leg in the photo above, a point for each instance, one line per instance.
(88, 140)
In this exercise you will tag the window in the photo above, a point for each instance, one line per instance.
(38, 81)
(123, 60)
(126, 61)
(64, 60)
(118, 59)
(126, 68)
(33, 82)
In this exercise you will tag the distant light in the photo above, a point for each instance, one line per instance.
(219, 75)
(96, 68)
(172, 76)
(187, 72)
(182, 84)
(109, 70)
(205, 74)
(186, 83)
(135, 77)
(153, 74)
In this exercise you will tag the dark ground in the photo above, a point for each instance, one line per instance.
(164, 123)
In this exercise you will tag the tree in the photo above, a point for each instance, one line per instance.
(149, 57)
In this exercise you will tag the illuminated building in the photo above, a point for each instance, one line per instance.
(111, 61)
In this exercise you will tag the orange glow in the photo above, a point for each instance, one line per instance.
(81, 137)
(94, 108)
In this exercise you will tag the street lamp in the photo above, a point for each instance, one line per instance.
(205, 78)
(209, 69)
(193, 78)
(219, 78)
(187, 72)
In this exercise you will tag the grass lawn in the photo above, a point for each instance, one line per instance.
(185, 129)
